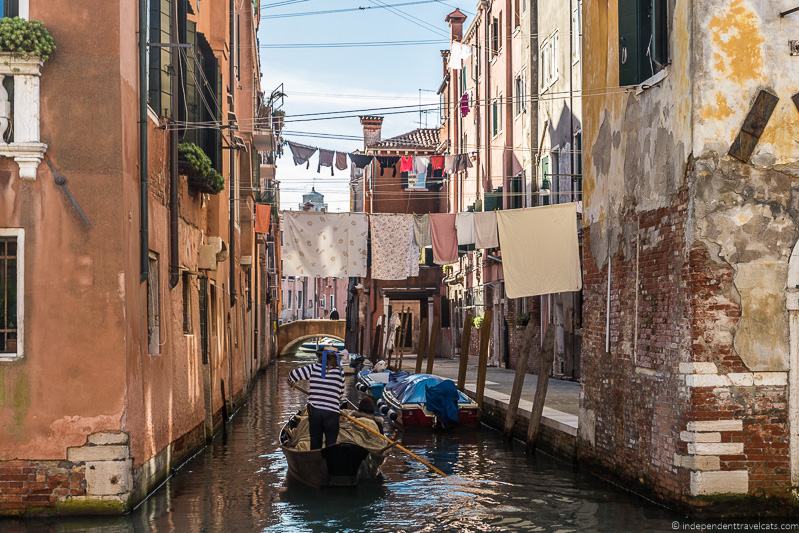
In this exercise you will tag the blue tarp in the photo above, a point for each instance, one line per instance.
(442, 400)
(413, 389)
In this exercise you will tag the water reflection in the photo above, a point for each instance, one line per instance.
(238, 484)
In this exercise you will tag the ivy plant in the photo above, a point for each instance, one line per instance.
(26, 38)
(477, 322)
(202, 174)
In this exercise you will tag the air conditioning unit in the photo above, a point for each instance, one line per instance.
(212, 253)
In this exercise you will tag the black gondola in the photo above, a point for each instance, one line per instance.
(356, 457)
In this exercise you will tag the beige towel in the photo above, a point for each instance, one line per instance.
(540, 254)
(485, 230)
(464, 225)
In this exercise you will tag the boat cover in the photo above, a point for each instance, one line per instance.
(442, 400)
(414, 389)
(300, 438)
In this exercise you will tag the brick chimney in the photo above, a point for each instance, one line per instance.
(372, 129)
(455, 21)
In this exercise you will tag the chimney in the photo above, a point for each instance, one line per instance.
(372, 129)
(456, 20)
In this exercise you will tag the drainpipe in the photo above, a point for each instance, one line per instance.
(176, 77)
(144, 245)
(233, 148)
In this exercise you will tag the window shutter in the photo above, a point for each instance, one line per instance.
(635, 32)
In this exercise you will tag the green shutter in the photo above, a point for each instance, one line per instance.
(635, 31)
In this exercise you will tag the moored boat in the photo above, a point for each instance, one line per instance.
(373, 383)
(426, 400)
(356, 457)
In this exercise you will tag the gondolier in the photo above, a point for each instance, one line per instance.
(326, 381)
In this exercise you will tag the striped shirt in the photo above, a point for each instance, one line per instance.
(325, 393)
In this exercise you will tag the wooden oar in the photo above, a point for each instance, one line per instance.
(378, 434)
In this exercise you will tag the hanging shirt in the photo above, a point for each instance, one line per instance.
(395, 255)
(361, 160)
(437, 162)
(445, 238)
(485, 230)
(465, 104)
(325, 245)
(463, 162)
(326, 158)
(324, 393)
(451, 164)
(406, 163)
(388, 162)
(421, 230)
(420, 164)
(457, 54)
(341, 160)
(540, 253)
(464, 225)
(301, 153)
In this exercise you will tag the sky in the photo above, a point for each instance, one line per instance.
(321, 80)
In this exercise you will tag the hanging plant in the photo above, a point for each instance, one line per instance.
(195, 163)
(25, 38)
(477, 322)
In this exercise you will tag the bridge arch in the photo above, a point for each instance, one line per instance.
(291, 334)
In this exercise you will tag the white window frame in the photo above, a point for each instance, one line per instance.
(19, 234)
(154, 287)
(550, 73)
(519, 94)
(322, 302)
(577, 32)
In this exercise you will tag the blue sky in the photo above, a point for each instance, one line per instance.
(335, 79)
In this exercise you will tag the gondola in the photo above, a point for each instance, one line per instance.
(355, 458)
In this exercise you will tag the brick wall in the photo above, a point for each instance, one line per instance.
(38, 484)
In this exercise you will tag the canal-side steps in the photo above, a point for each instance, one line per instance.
(559, 419)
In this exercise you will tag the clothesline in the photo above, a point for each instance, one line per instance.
(539, 245)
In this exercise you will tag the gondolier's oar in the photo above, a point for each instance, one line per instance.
(378, 434)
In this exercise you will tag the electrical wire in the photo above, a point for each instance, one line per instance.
(361, 44)
(346, 9)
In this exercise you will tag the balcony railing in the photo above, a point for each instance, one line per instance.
(19, 112)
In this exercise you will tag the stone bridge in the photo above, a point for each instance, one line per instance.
(291, 334)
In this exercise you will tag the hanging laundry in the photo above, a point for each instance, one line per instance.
(420, 164)
(395, 254)
(388, 162)
(463, 162)
(540, 253)
(301, 153)
(262, 215)
(406, 163)
(444, 237)
(326, 158)
(451, 164)
(341, 160)
(465, 104)
(457, 54)
(319, 244)
(361, 160)
(421, 230)
(485, 230)
(464, 225)
(437, 162)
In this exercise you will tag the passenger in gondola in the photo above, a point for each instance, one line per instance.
(326, 380)
(366, 409)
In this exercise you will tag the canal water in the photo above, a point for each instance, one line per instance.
(238, 484)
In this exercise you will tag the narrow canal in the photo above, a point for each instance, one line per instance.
(237, 484)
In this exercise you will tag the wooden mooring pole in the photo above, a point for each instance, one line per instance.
(482, 362)
(547, 357)
(422, 346)
(518, 379)
(432, 348)
(466, 337)
(403, 332)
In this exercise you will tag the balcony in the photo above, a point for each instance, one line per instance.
(264, 140)
(19, 112)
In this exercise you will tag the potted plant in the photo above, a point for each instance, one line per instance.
(477, 322)
(25, 39)
(522, 320)
(196, 165)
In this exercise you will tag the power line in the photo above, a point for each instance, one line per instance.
(346, 9)
(362, 44)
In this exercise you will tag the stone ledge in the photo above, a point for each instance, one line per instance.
(742, 379)
(97, 453)
(692, 436)
(716, 448)
(721, 482)
(707, 380)
(105, 438)
(697, 462)
(763, 379)
(698, 368)
(716, 425)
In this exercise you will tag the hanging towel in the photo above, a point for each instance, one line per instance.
(361, 160)
(445, 238)
(341, 160)
(457, 54)
(465, 104)
(464, 224)
(326, 158)
(437, 162)
(406, 163)
(301, 153)
(262, 215)
(540, 254)
(325, 245)
(485, 230)
(463, 162)
(388, 162)
(395, 255)
(420, 164)
(421, 230)
(451, 164)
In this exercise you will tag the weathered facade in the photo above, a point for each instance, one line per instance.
(690, 333)
(137, 297)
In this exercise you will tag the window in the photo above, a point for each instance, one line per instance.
(299, 300)
(515, 194)
(546, 183)
(10, 8)
(322, 302)
(186, 283)
(517, 13)
(153, 307)
(577, 29)
(12, 283)
(290, 299)
(332, 301)
(520, 94)
(160, 57)
(578, 166)
(549, 61)
(496, 41)
(496, 116)
(643, 39)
